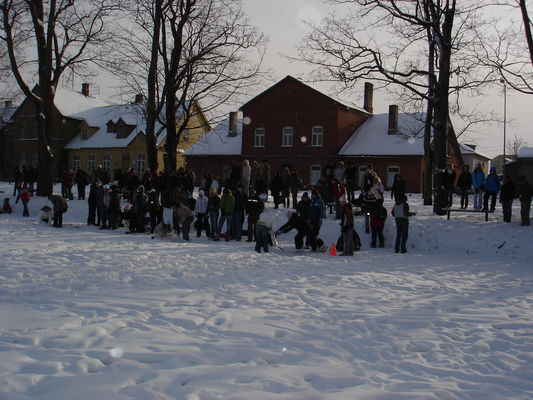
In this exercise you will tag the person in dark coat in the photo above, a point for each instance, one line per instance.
(17, 180)
(507, 195)
(91, 200)
(138, 206)
(213, 209)
(448, 183)
(464, 183)
(492, 187)
(398, 187)
(60, 207)
(114, 210)
(317, 212)
(296, 183)
(238, 213)
(302, 226)
(153, 208)
(347, 227)
(304, 206)
(276, 187)
(525, 192)
(81, 180)
(254, 208)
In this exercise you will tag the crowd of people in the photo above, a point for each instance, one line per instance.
(486, 188)
(164, 205)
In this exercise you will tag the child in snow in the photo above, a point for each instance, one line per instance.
(45, 215)
(401, 213)
(377, 223)
(6, 208)
(263, 228)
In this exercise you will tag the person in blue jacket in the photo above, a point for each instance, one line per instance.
(478, 183)
(492, 187)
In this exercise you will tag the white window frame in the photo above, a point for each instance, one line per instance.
(35, 159)
(23, 161)
(140, 163)
(396, 169)
(315, 172)
(106, 162)
(76, 162)
(259, 137)
(91, 162)
(317, 136)
(287, 138)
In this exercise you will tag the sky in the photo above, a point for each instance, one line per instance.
(281, 20)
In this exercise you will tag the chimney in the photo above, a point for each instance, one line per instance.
(139, 98)
(8, 104)
(369, 97)
(232, 132)
(393, 120)
(85, 89)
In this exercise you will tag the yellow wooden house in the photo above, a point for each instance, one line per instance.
(113, 137)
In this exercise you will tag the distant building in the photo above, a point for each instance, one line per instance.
(471, 157)
(523, 165)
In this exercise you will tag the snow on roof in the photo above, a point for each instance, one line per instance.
(466, 149)
(130, 114)
(372, 138)
(217, 141)
(70, 102)
(525, 152)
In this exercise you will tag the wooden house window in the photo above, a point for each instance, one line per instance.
(76, 162)
(91, 161)
(259, 137)
(314, 174)
(106, 162)
(317, 136)
(287, 137)
(84, 133)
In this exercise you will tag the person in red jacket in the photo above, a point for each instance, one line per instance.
(378, 215)
(25, 198)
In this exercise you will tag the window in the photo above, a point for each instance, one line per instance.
(391, 171)
(317, 136)
(362, 170)
(111, 127)
(84, 133)
(106, 162)
(76, 162)
(314, 174)
(141, 163)
(286, 140)
(91, 161)
(35, 159)
(259, 137)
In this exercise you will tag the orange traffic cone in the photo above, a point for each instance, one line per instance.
(333, 251)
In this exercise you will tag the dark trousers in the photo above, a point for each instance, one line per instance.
(377, 233)
(236, 225)
(252, 221)
(525, 206)
(81, 192)
(507, 208)
(186, 227)
(347, 239)
(402, 232)
(350, 188)
(294, 199)
(492, 196)
(91, 216)
(261, 238)
(213, 220)
(25, 212)
(202, 224)
(449, 196)
(464, 198)
(58, 219)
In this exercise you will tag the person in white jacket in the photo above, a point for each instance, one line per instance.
(200, 211)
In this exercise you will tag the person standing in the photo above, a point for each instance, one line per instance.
(138, 207)
(525, 192)
(347, 227)
(448, 184)
(296, 183)
(377, 224)
(351, 180)
(245, 177)
(464, 183)
(401, 214)
(60, 207)
(478, 182)
(81, 180)
(200, 210)
(185, 218)
(25, 198)
(227, 207)
(398, 187)
(507, 195)
(17, 180)
(254, 208)
(317, 212)
(213, 208)
(492, 187)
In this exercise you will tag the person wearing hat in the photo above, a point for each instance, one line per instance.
(478, 183)
(492, 187)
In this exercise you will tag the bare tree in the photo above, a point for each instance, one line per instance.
(423, 44)
(57, 35)
(199, 51)
(514, 145)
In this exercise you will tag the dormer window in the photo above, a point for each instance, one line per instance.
(111, 127)
(84, 133)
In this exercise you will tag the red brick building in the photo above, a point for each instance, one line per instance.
(293, 124)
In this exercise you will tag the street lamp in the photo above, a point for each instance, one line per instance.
(504, 122)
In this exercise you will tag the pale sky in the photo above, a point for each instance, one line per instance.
(281, 20)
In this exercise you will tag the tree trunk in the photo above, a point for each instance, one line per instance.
(527, 28)
(152, 110)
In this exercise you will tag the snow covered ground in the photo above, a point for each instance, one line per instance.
(90, 314)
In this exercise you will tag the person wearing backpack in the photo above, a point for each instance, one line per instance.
(378, 217)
